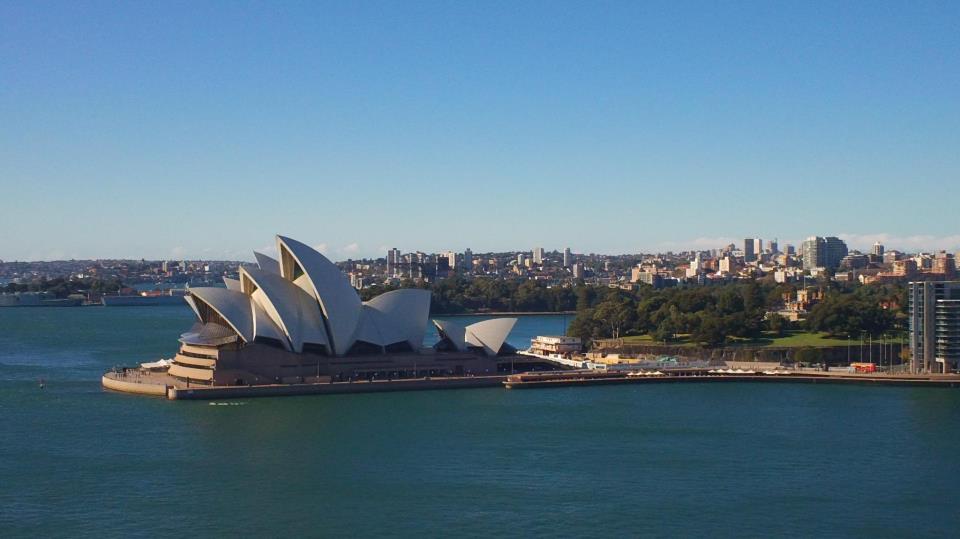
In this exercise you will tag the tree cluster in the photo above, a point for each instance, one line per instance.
(460, 295)
(860, 311)
(712, 315)
(62, 287)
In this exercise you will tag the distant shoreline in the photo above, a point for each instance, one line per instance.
(473, 313)
(510, 313)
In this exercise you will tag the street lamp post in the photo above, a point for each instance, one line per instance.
(883, 344)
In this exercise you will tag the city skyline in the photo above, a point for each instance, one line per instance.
(706, 245)
(861, 243)
(153, 132)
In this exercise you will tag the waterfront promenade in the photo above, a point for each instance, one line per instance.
(162, 385)
(578, 378)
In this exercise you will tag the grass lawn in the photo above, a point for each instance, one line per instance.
(794, 339)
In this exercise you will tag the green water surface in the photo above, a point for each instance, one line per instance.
(659, 460)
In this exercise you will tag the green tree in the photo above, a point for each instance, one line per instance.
(615, 312)
(585, 326)
(777, 324)
(710, 332)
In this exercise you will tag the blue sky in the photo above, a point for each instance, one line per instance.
(199, 130)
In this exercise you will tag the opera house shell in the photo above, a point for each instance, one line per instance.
(297, 319)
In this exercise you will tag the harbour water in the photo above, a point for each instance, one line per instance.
(662, 460)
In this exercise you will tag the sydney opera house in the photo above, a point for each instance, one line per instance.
(296, 319)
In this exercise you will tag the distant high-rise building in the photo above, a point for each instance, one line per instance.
(878, 249)
(945, 264)
(538, 255)
(749, 250)
(789, 249)
(567, 258)
(451, 259)
(728, 265)
(578, 270)
(651, 278)
(520, 259)
(905, 268)
(415, 263)
(468, 259)
(836, 249)
(934, 321)
(855, 261)
(393, 262)
(696, 265)
(356, 280)
(823, 252)
(812, 252)
(774, 248)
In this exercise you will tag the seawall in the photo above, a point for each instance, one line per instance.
(337, 388)
(126, 386)
(832, 355)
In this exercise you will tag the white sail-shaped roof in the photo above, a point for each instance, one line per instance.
(455, 333)
(338, 300)
(232, 306)
(400, 315)
(488, 334)
(303, 298)
(267, 263)
(289, 307)
(368, 329)
(232, 284)
(192, 304)
(264, 326)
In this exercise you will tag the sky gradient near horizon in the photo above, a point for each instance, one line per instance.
(200, 130)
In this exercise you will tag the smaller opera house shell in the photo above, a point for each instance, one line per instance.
(298, 320)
